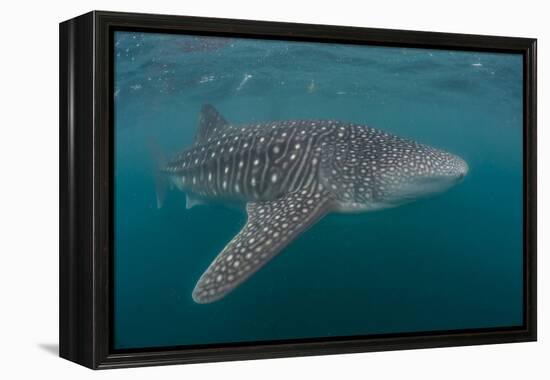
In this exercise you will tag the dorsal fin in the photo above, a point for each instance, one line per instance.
(210, 123)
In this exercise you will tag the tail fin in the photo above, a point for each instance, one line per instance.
(161, 180)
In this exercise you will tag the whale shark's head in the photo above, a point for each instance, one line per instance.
(426, 172)
(383, 170)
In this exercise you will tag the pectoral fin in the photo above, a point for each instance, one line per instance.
(192, 201)
(270, 227)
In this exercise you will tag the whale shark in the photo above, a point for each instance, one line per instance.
(290, 174)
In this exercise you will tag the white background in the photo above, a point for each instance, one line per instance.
(29, 188)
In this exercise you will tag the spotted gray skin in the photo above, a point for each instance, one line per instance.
(292, 173)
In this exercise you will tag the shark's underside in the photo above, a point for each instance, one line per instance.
(292, 173)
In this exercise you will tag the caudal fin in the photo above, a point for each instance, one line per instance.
(161, 180)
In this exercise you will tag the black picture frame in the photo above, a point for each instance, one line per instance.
(86, 179)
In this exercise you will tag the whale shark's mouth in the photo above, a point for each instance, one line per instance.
(424, 187)
(416, 189)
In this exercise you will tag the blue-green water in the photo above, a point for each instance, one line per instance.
(446, 263)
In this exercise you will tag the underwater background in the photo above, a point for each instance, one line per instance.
(450, 262)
